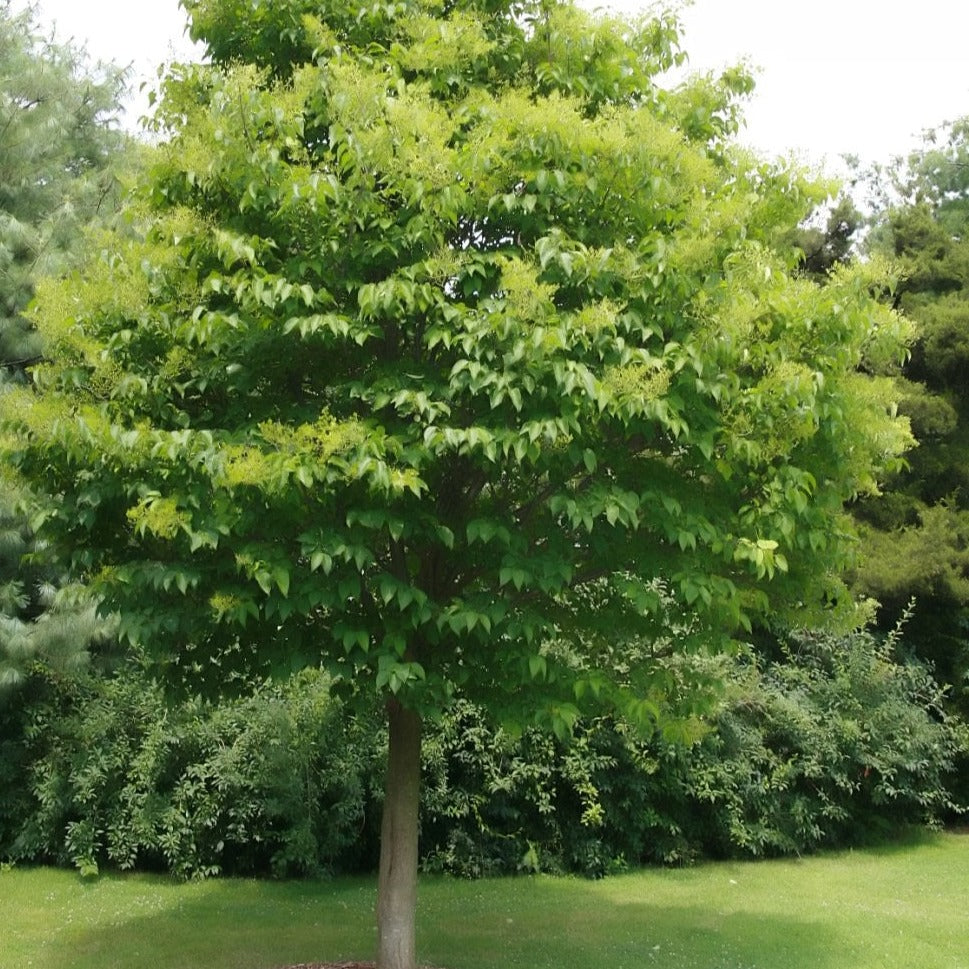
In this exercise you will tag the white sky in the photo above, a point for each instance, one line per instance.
(836, 76)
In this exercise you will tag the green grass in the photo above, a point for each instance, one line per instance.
(900, 907)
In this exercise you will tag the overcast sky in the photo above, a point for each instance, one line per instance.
(835, 76)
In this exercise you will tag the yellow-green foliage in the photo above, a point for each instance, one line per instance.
(637, 382)
(23, 410)
(874, 400)
(421, 277)
(429, 44)
(323, 438)
(513, 126)
(245, 465)
(394, 131)
(526, 297)
(159, 516)
(596, 318)
(286, 448)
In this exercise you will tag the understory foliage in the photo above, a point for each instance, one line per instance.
(833, 742)
(112, 774)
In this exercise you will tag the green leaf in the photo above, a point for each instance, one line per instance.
(537, 667)
(446, 536)
(320, 559)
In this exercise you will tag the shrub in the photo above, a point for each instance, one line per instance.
(830, 741)
(834, 742)
(273, 782)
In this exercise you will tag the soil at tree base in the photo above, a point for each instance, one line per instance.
(339, 965)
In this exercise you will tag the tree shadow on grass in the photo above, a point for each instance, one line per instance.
(895, 842)
(531, 923)
(151, 922)
(569, 924)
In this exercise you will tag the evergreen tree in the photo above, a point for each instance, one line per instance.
(58, 138)
(916, 535)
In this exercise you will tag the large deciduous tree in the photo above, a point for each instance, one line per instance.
(57, 140)
(458, 357)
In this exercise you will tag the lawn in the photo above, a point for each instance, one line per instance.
(900, 907)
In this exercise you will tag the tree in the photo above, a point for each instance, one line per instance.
(825, 248)
(57, 140)
(916, 535)
(457, 356)
(56, 115)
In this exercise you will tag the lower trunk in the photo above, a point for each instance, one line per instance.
(397, 883)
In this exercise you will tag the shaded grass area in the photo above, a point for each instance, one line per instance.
(899, 906)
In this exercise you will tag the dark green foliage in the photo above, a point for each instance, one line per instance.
(496, 804)
(444, 316)
(493, 804)
(19, 716)
(824, 249)
(916, 535)
(274, 783)
(833, 742)
(44, 618)
(373, 309)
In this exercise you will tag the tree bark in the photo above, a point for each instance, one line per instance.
(397, 882)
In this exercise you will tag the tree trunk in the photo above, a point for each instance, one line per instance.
(397, 883)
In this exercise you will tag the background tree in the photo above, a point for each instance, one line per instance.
(824, 248)
(58, 130)
(917, 533)
(58, 139)
(462, 359)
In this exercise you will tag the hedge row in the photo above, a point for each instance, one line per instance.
(832, 742)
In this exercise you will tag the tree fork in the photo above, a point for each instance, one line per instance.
(397, 882)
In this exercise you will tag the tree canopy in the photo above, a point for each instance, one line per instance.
(460, 357)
